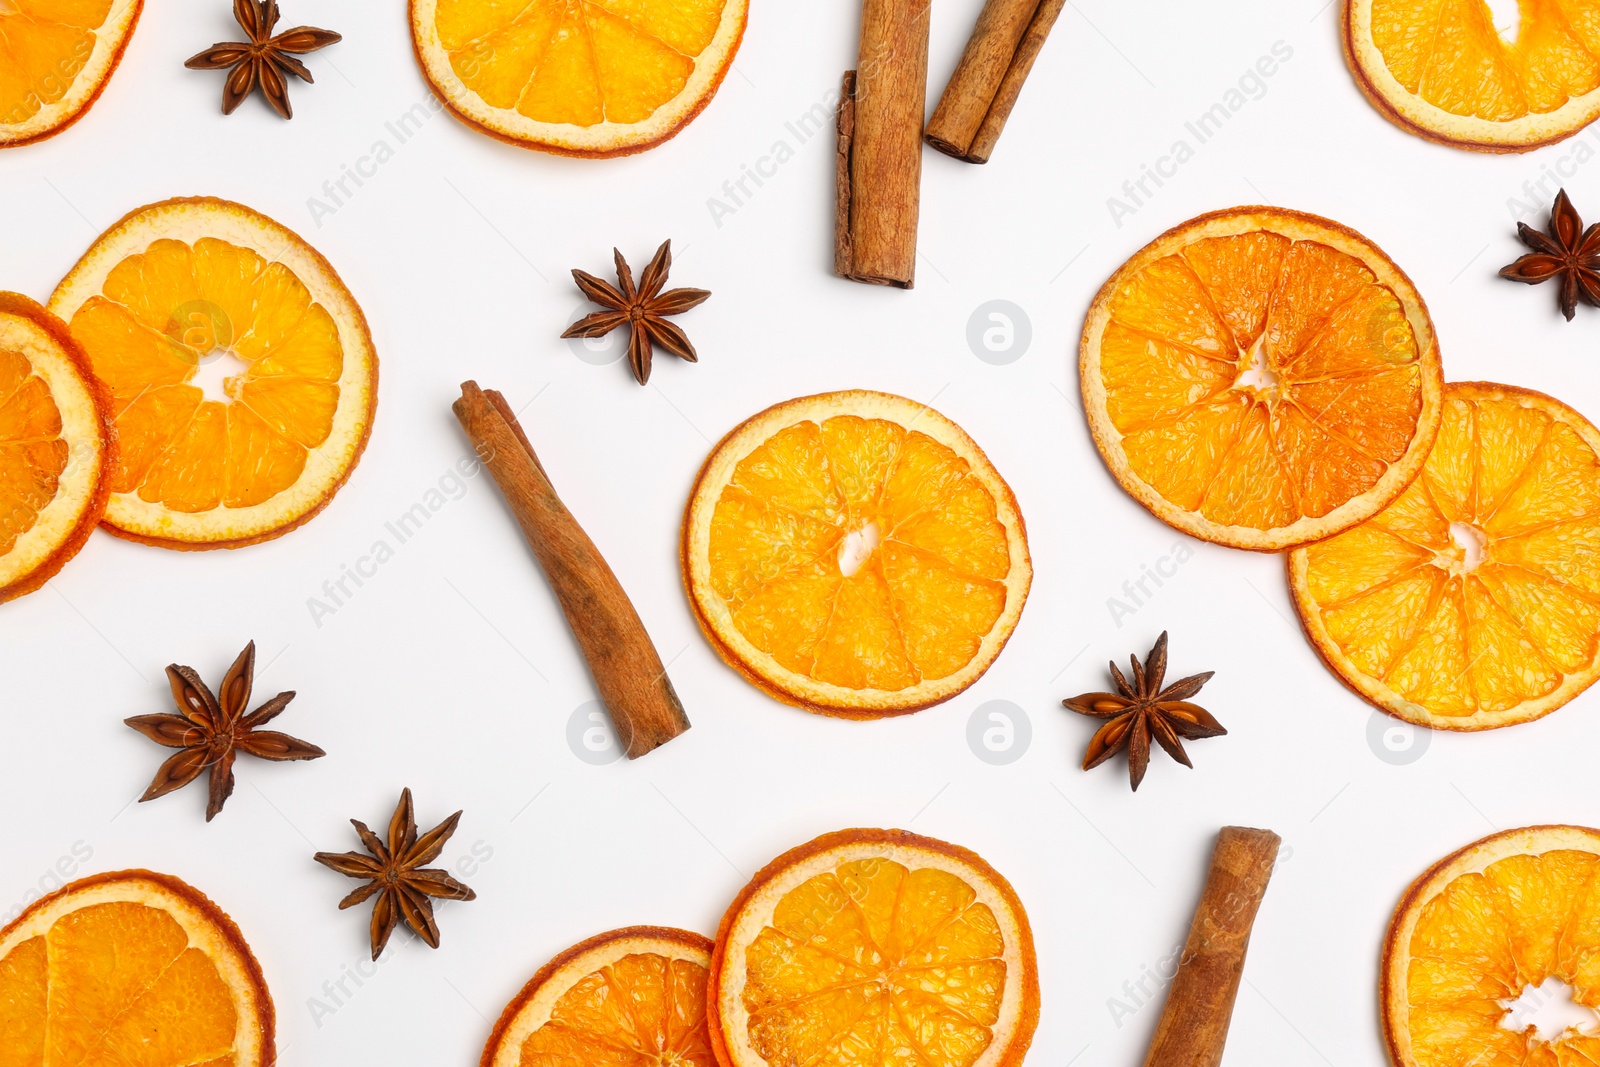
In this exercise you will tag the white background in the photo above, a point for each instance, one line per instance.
(452, 671)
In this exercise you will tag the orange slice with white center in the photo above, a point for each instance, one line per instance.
(855, 554)
(577, 77)
(1445, 71)
(1261, 378)
(1472, 601)
(56, 445)
(56, 57)
(1488, 937)
(131, 969)
(241, 368)
(875, 948)
(629, 998)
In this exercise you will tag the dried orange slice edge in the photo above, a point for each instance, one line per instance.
(56, 445)
(1261, 378)
(899, 942)
(660, 973)
(182, 986)
(594, 79)
(57, 63)
(176, 286)
(1469, 603)
(1444, 72)
(855, 554)
(1475, 930)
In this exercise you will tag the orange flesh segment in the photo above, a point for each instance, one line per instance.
(1400, 598)
(161, 313)
(43, 47)
(32, 453)
(866, 963)
(931, 584)
(1451, 55)
(114, 984)
(1258, 380)
(582, 62)
(642, 1009)
(1488, 936)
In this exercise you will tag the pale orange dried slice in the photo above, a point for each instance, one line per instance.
(1261, 378)
(56, 445)
(242, 371)
(855, 554)
(577, 77)
(1444, 71)
(1480, 927)
(1472, 601)
(56, 57)
(131, 969)
(628, 998)
(874, 948)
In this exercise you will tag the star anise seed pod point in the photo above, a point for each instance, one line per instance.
(1141, 710)
(1568, 252)
(642, 308)
(395, 874)
(211, 731)
(264, 60)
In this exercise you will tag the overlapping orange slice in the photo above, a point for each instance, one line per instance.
(629, 998)
(1261, 378)
(242, 372)
(56, 57)
(577, 77)
(131, 969)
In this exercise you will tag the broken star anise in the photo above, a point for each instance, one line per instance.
(395, 872)
(1568, 252)
(212, 731)
(1141, 710)
(265, 60)
(642, 309)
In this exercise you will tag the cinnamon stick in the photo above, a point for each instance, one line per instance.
(880, 146)
(1194, 1024)
(986, 83)
(627, 669)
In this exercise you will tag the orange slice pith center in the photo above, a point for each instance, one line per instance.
(115, 983)
(876, 963)
(643, 1009)
(163, 318)
(1483, 940)
(1258, 380)
(1452, 55)
(1472, 591)
(582, 62)
(860, 553)
(32, 452)
(44, 45)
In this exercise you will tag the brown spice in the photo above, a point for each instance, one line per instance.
(986, 83)
(642, 308)
(264, 60)
(1569, 252)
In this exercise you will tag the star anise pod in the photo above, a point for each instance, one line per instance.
(1141, 710)
(396, 874)
(264, 60)
(212, 732)
(1569, 252)
(643, 310)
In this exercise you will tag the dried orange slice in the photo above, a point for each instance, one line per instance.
(855, 554)
(126, 969)
(1475, 932)
(871, 948)
(1472, 601)
(1445, 72)
(628, 998)
(242, 370)
(577, 77)
(55, 58)
(1261, 378)
(56, 445)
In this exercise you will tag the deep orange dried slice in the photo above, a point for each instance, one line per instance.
(56, 57)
